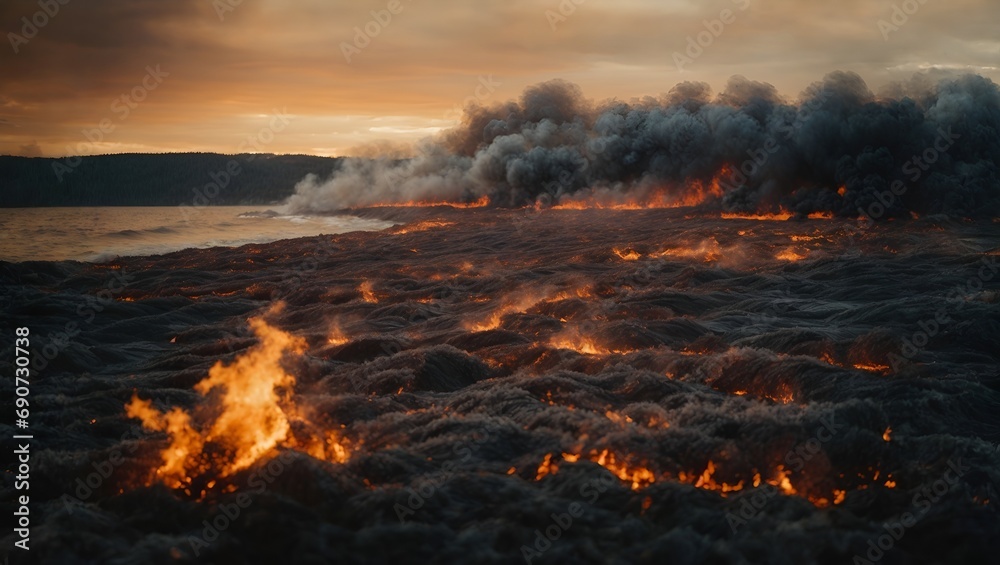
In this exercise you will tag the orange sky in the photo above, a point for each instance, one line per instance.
(226, 67)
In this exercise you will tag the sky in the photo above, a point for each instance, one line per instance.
(335, 77)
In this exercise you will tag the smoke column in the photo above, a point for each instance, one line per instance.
(919, 148)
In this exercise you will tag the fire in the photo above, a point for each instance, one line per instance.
(249, 418)
(481, 202)
(706, 481)
(422, 226)
(337, 336)
(581, 344)
(708, 251)
(783, 481)
(627, 254)
(790, 255)
(694, 194)
(820, 216)
(511, 304)
(886, 435)
(366, 292)
(774, 217)
(636, 477)
(546, 467)
(873, 368)
(639, 477)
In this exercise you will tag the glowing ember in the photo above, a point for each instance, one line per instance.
(250, 417)
(873, 368)
(422, 226)
(706, 481)
(886, 435)
(511, 304)
(627, 254)
(790, 255)
(581, 344)
(337, 336)
(708, 251)
(482, 202)
(546, 467)
(366, 292)
(777, 217)
(635, 477)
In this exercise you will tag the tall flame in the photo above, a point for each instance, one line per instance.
(250, 415)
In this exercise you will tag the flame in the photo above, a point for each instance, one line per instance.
(581, 344)
(513, 303)
(546, 467)
(252, 415)
(637, 477)
(708, 251)
(367, 295)
(873, 368)
(772, 217)
(627, 254)
(422, 226)
(705, 481)
(790, 255)
(337, 336)
(839, 495)
(481, 202)
(886, 435)
(695, 193)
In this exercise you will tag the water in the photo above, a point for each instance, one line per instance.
(100, 233)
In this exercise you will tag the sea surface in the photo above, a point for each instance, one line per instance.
(101, 233)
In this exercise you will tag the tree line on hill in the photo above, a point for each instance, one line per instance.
(168, 179)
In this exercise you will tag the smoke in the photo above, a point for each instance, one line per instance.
(839, 149)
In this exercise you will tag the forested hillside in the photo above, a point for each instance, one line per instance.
(155, 179)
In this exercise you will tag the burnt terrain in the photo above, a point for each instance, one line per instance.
(491, 386)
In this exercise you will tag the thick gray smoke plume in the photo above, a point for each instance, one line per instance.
(920, 148)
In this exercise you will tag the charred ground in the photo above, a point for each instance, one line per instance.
(486, 369)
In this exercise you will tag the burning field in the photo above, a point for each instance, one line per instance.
(542, 385)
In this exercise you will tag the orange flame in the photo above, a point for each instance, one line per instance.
(251, 415)
(481, 202)
(367, 295)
